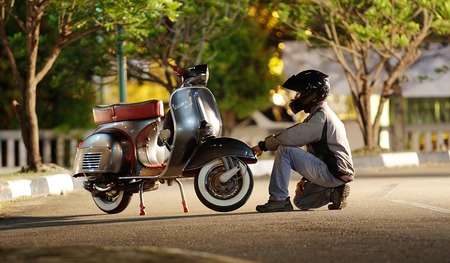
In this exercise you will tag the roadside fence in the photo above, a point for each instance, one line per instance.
(54, 147)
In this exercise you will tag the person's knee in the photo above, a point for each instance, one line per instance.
(284, 150)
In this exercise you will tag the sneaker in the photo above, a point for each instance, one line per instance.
(276, 206)
(338, 197)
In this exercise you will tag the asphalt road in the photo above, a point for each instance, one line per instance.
(400, 215)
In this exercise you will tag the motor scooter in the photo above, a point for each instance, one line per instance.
(138, 146)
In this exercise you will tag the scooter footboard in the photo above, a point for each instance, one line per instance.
(217, 148)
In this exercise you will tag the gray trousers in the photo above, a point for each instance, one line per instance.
(321, 181)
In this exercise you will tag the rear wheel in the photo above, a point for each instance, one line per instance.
(112, 201)
(223, 197)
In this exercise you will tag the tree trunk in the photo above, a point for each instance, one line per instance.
(369, 131)
(372, 137)
(228, 122)
(31, 127)
(29, 120)
(398, 127)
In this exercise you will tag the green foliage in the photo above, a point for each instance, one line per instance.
(240, 77)
(442, 13)
(184, 42)
(8, 119)
(381, 22)
(166, 31)
(214, 32)
(135, 16)
(65, 96)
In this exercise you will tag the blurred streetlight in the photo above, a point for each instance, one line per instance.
(278, 99)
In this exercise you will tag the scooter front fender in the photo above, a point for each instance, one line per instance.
(217, 148)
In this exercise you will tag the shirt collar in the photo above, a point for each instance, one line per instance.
(318, 106)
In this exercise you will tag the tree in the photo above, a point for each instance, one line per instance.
(375, 42)
(222, 34)
(240, 75)
(76, 19)
(185, 41)
(69, 93)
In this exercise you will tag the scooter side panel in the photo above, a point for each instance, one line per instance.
(103, 153)
(218, 148)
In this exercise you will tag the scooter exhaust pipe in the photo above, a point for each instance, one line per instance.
(101, 189)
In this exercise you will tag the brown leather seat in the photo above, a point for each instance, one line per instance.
(128, 111)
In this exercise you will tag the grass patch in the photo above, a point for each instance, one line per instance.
(369, 152)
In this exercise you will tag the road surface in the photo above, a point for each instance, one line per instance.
(400, 215)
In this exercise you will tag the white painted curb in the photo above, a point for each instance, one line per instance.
(47, 185)
(20, 188)
(59, 184)
(391, 160)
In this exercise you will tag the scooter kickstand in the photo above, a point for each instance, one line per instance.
(183, 197)
(141, 197)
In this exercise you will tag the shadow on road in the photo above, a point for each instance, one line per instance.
(29, 222)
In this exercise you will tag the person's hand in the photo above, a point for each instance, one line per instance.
(256, 150)
(300, 187)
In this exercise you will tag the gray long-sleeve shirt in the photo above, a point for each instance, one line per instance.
(324, 135)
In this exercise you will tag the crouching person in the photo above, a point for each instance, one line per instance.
(326, 165)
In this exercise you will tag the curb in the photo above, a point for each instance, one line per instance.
(57, 184)
(405, 159)
(60, 184)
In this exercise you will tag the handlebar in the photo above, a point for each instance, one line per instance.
(179, 71)
(194, 75)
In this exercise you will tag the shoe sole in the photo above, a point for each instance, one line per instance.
(276, 210)
(342, 199)
(345, 194)
(284, 209)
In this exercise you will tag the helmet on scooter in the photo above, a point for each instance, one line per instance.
(312, 87)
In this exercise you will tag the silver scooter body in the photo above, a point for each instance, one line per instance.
(126, 155)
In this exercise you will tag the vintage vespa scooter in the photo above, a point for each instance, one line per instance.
(134, 150)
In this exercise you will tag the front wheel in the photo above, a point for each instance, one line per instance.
(223, 197)
(113, 201)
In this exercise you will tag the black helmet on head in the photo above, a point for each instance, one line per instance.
(313, 87)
